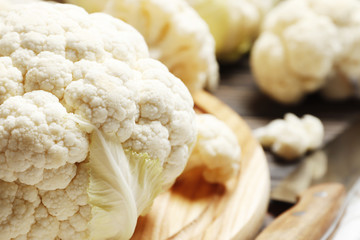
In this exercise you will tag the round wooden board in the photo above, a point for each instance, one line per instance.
(195, 209)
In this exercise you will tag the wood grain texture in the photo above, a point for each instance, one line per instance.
(195, 209)
(310, 217)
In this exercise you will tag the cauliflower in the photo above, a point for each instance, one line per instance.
(174, 32)
(234, 23)
(306, 46)
(217, 149)
(91, 128)
(292, 137)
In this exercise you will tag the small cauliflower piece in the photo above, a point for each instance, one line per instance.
(217, 149)
(175, 33)
(291, 137)
(91, 128)
(235, 24)
(306, 46)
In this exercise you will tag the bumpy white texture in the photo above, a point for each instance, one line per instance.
(40, 146)
(38, 138)
(59, 64)
(174, 32)
(235, 24)
(18, 204)
(291, 137)
(11, 79)
(309, 45)
(217, 149)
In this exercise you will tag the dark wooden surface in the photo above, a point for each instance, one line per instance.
(238, 90)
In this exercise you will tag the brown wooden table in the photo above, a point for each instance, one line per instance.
(238, 90)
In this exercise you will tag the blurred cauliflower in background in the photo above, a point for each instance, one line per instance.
(291, 137)
(308, 45)
(174, 32)
(233, 23)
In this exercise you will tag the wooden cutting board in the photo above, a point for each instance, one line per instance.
(194, 209)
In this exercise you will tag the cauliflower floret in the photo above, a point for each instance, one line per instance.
(174, 32)
(217, 149)
(10, 79)
(234, 23)
(38, 136)
(17, 212)
(91, 128)
(292, 137)
(304, 46)
(45, 227)
(106, 103)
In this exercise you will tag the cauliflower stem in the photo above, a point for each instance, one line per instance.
(129, 181)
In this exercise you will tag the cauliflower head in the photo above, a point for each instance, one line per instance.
(91, 128)
(306, 46)
(217, 150)
(291, 137)
(234, 24)
(175, 33)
